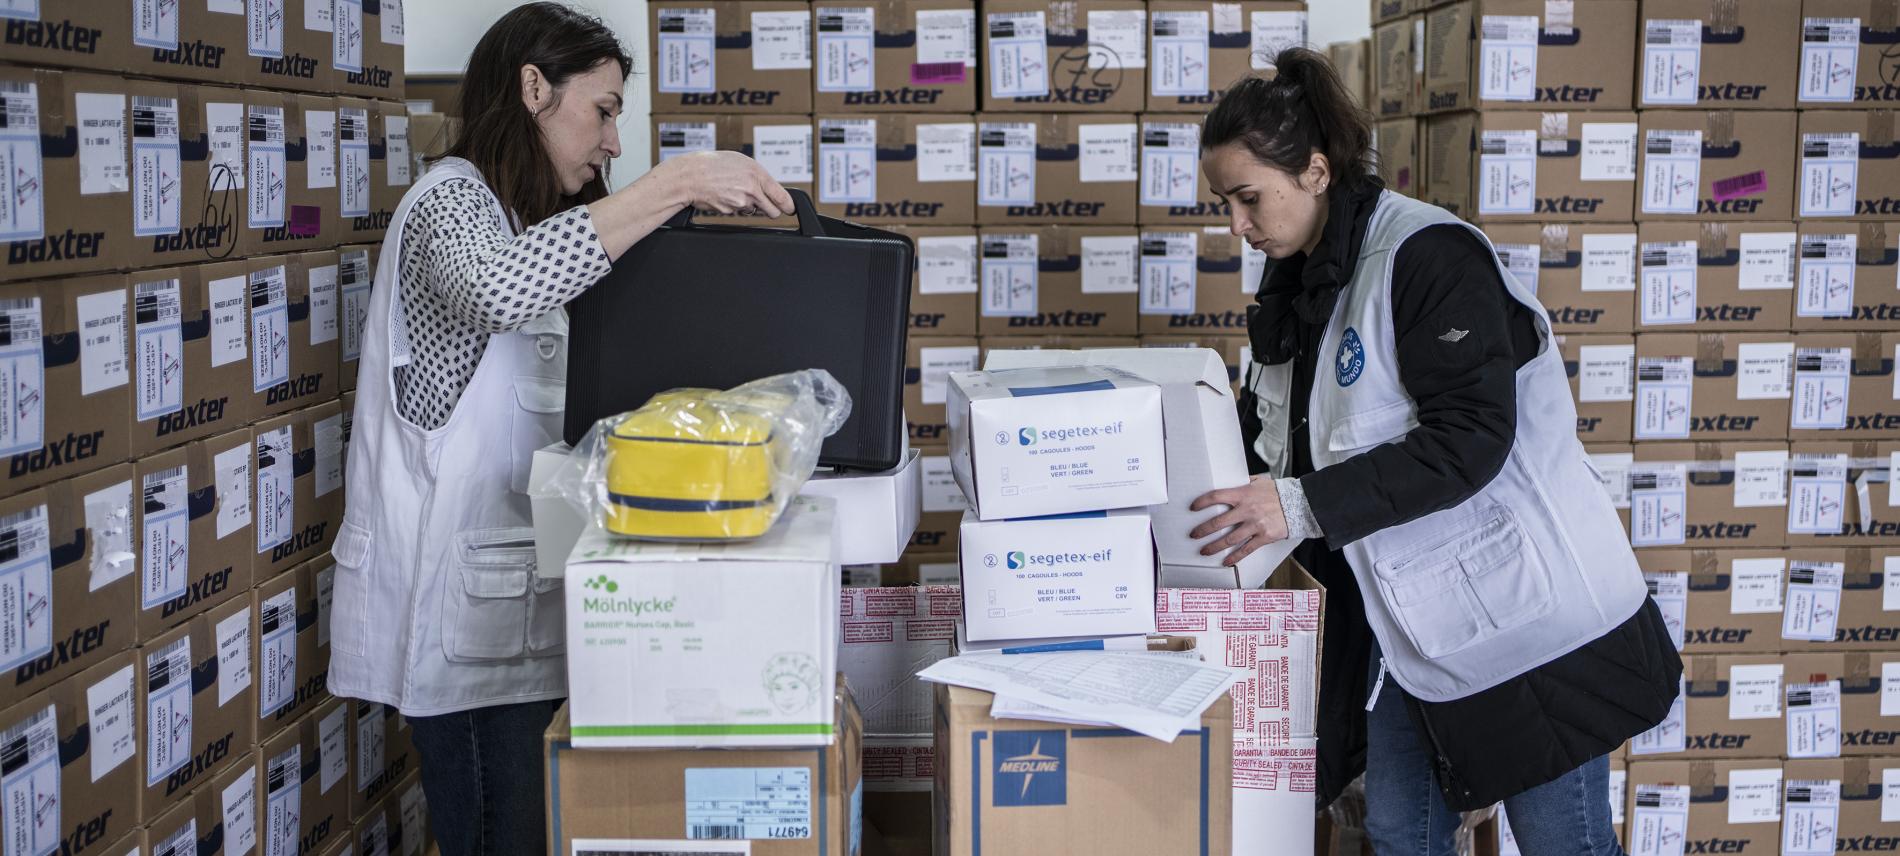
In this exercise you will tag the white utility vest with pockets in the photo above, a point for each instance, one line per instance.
(437, 604)
(1532, 567)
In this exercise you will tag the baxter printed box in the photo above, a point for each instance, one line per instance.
(302, 800)
(1870, 704)
(294, 49)
(383, 35)
(1863, 818)
(1583, 273)
(1844, 386)
(67, 203)
(1078, 280)
(1395, 141)
(1536, 166)
(65, 393)
(944, 285)
(73, 761)
(1718, 55)
(1843, 274)
(1448, 154)
(1071, 56)
(1528, 54)
(1846, 54)
(1716, 276)
(290, 665)
(1870, 594)
(781, 144)
(1708, 494)
(1716, 165)
(916, 169)
(1725, 601)
(191, 368)
(1850, 166)
(1736, 706)
(1833, 498)
(1068, 576)
(198, 820)
(194, 525)
(1704, 806)
(1197, 49)
(722, 56)
(1056, 168)
(297, 498)
(1713, 386)
(1197, 280)
(1173, 191)
(1602, 370)
(903, 55)
(196, 691)
(1398, 66)
(397, 825)
(1038, 441)
(654, 625)
(185, 201)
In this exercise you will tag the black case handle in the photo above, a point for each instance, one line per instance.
(808, 224)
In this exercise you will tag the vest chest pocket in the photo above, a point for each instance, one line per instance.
(489, 609)
(1464, 589)
(1361, 429)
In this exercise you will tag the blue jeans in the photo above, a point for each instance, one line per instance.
(482, 773)
(1406, 816)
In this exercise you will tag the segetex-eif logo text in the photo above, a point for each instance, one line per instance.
(1017, 560)
(1029, 436)
(1031, 768)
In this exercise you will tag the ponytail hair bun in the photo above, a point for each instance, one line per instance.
(1286, 115)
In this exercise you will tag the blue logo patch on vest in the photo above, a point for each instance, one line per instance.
(1351, 361)
(1031, 768)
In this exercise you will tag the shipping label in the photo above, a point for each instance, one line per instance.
(1664, 397)
(846, 61)
(1669, 283)
(1826, 287)
(847, 160)
(1006, 163)
(167, 710)
(1019, 54)
(166, 539)
(1168, 263)
(1009, 268)
(156, 174)
(685, 47)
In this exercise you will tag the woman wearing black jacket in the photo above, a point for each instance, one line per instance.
(1488, 634)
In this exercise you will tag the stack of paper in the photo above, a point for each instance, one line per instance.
(1158, 695)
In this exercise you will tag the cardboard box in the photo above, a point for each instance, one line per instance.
(356, 273)
(1514, 54)
(1733, 601)
(54, 226)
(303, 797)
(92, 37)
(782, 144)
(196, 696)
(1602, 370)
(74, 568)
(658, 794)
(1726, 806)
(897, 168)
(1833, 498)
(271, 285)
(73, 751)
(1859, 823)
(992, 344)
(882, 508)
(907, 55)
(430, 135)
(1619, 791)
(1866, 624)
(1391, 10)
(943, 286)
(297, 496)
(1584, 274)
(211, 46)
(1074, 576)
(1842, 65)
(1446, 153)
(930, 569)
(196, 823)
(292, 670)
(1718, 55)
(1532, 167)
(1844, 386)
(1685, 493)
(315, 350)
(1868, 727)
(434, 93)
(1076, 420)
(1398, 64)
(186, 202)
(1173, 191)
(384, 34)
(1056, 168)
(1204, 449)
(928, 362)
(282, 212)
(749, 694)
(1712, 386)
(1007, 787)
(1082, 57)
(1352, 61)
(1061, 291)
(896, 766)
(937, 527)
(1849, 167)
(187, 383)
(1866, 303)
(1716, 276)
(1193, 57)
(1395, 144)
(385, 756)
(888, 636)
(372, 167)
(1612, 463)
(1734, 706)
(389, 143)
(194, 525)
(398, 825)
(728, 56)
(1195, 280)
(295, 49)
(68, 405)
(1274, 636)
(1236, 352)
(1740, 161)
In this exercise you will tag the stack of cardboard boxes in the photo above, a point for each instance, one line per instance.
(1702, 195)
(192, 201)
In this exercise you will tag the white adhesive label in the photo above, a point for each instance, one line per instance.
(685, 50)
(346, 34)
(320, 159)
(234, 656)
(1507, 49)
(22, 376)
(230, 337)
(1670, 591)
(1006, 164)
(1764, 371)
(101, 120)
(29, 785)
(784, 151)
(1814, 720)
(26, 588)
(270, 328)
(1609, 262)
(323, 304)
(1817, 494)
(1659, 823)
(1814, 601)
(224, 131)
(275, 488)
(1018, 55)
(328, 472)
(680, 138)
(156, 174)
(758, 803)
(1272, 32)
(1613, 472)
(1168, 272)
(154, 22)
(102, 357)
(1009, 269)
(167, 710)
(333, 748)
(277, 662)
(398, 162)
(1821, 387)
(1767, 261)
(1609, 151)
(946, 264)
(1755, 586)
(233, 471)
(394, 24)
(111, 719)
(945, 36)
(353, 162)
(1658, 504)
(1761, 479)
(1890, 795)
(1180, 53)
(1755, 692)
(1754, 796)
(1108, 152)
(1118, 38)
(1890, 689)
(1606, 373)
(1110, 264)
(268, 171)
(283, 803)
(1664, 397)
(372, 740)
(1813, 818)
(1170, 163)
(847, 160)
(1826, 285)
(781, 40)
(22, 180)
(946, 152)
(1672, 171)
(1669, 283)
(846, 62)
(1890, 585)
(936, 364)
(165, 541)
(1672, 61)
(239, 810)
(1830, 56)
(1830, 167)
(264, 27)
(1507, 172)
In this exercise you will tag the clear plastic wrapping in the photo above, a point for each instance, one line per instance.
(705, 464)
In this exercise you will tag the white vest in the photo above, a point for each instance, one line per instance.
(1532, 567)
(437, 604)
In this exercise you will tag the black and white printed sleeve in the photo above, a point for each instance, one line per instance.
(463, 279)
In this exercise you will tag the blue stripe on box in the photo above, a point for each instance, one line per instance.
(1061, 389)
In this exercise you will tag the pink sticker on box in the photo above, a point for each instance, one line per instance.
(306, 221)
(936, 73)
(1748, 184)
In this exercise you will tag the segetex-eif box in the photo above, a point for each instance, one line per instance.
(1066, 576)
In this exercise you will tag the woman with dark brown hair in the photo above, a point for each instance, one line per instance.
(438, 607)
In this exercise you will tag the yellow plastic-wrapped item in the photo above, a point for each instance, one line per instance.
(703, 464)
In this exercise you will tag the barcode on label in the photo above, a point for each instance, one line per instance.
(19, 304)
(161, 477)
(1806, 360)
(1643, 481)
(717, 831)
(15, 87)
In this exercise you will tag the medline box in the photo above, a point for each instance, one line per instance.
(1844, 54)
(747, 631)
(1686, 493)
(1088, 574)
(889, 635)
(64, 392)
(916, 169)
(784, 801)
(1716, 276)
(302, 799)
(1038, 441)
(1395, 143)
(1536, 166)
(1398, 60)
(1844, 387)
(297, 496)
(1055, 168)
(196, 695)
(903, 55)
(1584, 273)
(1197, 281)
(1719, 55)
(67, 203)
(1057, 56)
(722, 56)
(1193, 57)
(1008, 787)
(73, 762)
(189, 333)
(1850, 166)
(944, 285)
(1526, 54)
(1076, 280)
(1842, 276)
(781, 144)
(1717, 165)
(292, 670)
(73, 574)
(1173, 191)
(194, 525)
(1204, 450)
(1732, 805)
(882, 507)
(1712, 386)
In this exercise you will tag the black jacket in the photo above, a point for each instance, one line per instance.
(1530, 729)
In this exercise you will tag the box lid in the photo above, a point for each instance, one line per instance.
(805, 533)
(1202, 366)
(1048, 379)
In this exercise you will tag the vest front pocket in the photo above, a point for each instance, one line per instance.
(547, 621)
(1461, 590)
(349, 603)
(488, 596)
(539, 405)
